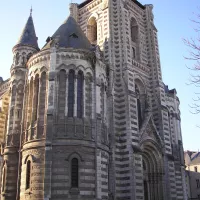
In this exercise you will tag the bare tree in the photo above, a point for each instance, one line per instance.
(194, 55)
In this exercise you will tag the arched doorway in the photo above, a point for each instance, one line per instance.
(92, 30)
(152, 171)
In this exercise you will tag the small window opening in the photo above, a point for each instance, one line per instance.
(74, 173)
(28, 174)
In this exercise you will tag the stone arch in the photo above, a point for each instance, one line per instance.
(62, 67)
(29, 157)
(92, 29)
(153, 171)
(141, 85)
(89, 70)
(28, 162)
(80, 68)
(43, 69)
(75, 155)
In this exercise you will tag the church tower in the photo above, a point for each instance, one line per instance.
(26, 46)
(90, 117)
(146, 159)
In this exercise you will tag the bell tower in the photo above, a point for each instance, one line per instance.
(26, 46)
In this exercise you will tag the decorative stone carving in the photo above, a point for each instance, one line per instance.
(104, 4)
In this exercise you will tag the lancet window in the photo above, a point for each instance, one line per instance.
(139, 111)
(61, 95)
(134, 30)
(36, 91)
(71, 93)
(88, 96)
(4, 177)
(28, 174)
(80, 80)
(74, 173)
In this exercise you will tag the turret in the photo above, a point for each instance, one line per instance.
(26, 46)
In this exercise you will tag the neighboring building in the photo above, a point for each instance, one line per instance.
(4, 104)
(192, 162)
(93, 122)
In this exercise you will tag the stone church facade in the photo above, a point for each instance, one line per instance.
(89, 115)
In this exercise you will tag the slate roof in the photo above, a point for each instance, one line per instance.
(69, 35)
(194, 157)
(28, 35)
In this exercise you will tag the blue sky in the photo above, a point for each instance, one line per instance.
(172, 19)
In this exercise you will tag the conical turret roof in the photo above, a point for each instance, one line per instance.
(69, 35)
(28, 35)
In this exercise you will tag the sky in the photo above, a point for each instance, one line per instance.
(172, 19)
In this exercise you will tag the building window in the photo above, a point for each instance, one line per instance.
(198, 183)
(61, 96)
(92, 30)
(3, 179)
(102, 100)
(88, 96)
(134, 53)
(71, 94)
(139, 112)
(28, 174)
(134, 30)
(74, 173)
(195, 169)
(36, 94)
(80, 80)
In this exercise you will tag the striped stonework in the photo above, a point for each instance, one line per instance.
(89, 116)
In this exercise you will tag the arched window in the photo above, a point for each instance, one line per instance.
(134, 30)
(28, 174)
(4, 178)
(92, 30)
(36, 94)
(61, 96)
(134, 53)
(102, 100)
(80, 80)
(17, 59)
(74, 173)
(28, 56)
(139, 113)
(42, 104)
(88, 96)
(71, 94)
(30, 101)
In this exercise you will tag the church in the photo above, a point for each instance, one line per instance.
(89, 116)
